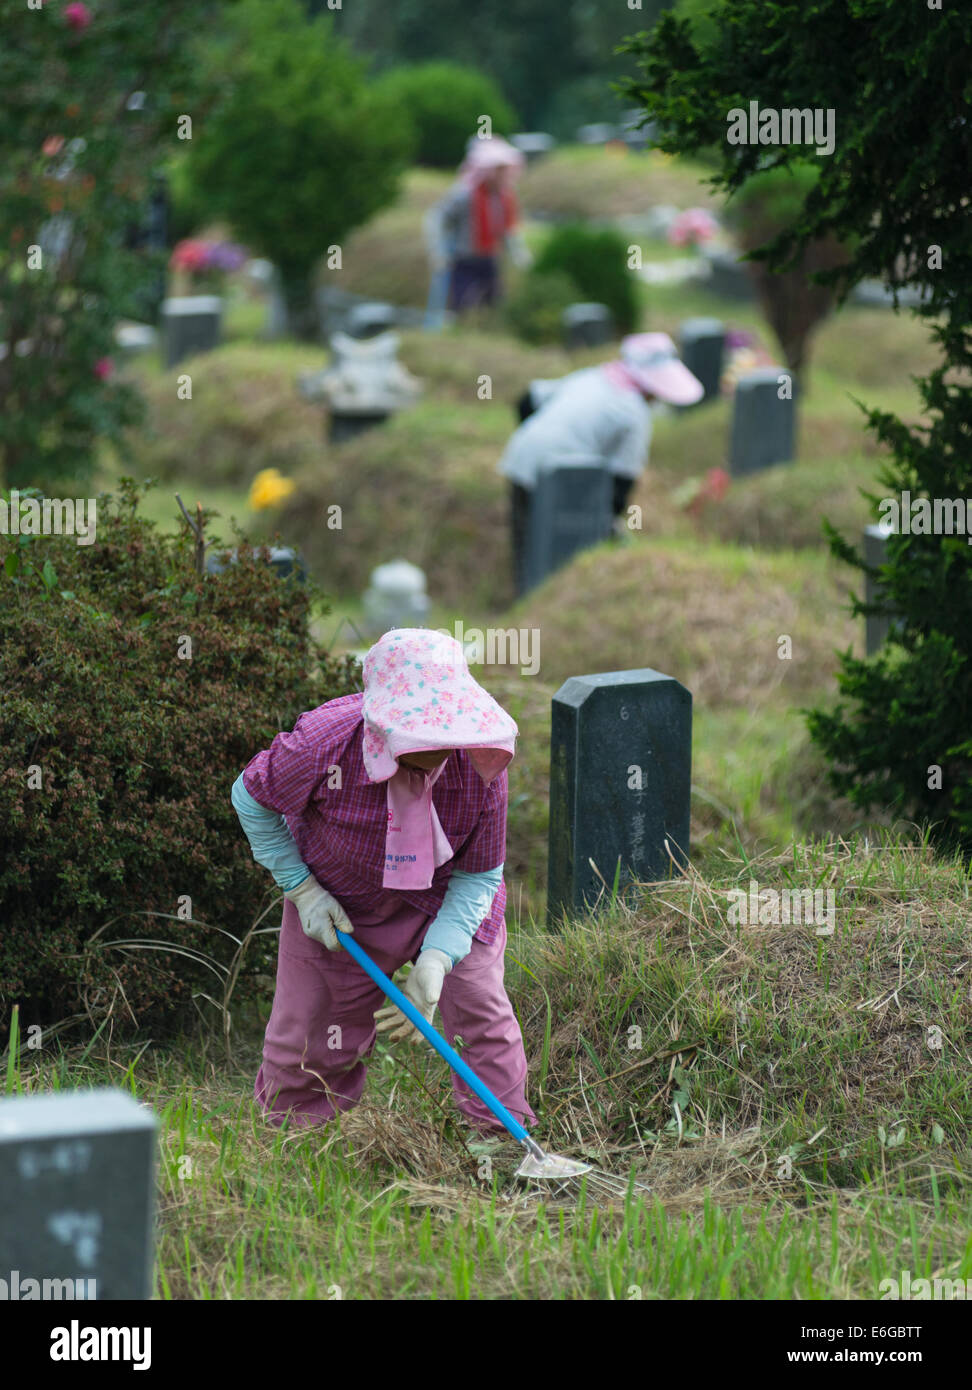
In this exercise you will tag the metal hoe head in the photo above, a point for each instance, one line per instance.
(564, 1174)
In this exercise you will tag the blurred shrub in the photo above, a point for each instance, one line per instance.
(535, 307)
(444, 103)
(119, 745)
(297, 148)
(596, 259)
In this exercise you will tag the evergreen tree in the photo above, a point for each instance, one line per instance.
(897, 81)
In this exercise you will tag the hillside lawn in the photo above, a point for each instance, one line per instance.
(799, 1103)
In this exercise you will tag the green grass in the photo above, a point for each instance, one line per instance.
(775, 1088)
(803, 1133)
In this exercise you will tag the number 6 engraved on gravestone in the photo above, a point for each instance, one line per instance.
(80, 1229)
(623, 711)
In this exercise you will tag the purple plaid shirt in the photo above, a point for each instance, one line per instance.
(340, 830)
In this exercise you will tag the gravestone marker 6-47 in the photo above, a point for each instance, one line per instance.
(620, 783)
(76, 1196)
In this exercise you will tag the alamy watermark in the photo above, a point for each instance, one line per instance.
(789, 126)
(49, 516)
(498, 646)
(924, 1290)
(774, 907)
(927, 516)
(17, 1289)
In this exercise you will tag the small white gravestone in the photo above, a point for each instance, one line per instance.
(76, 1196)
(266, 275)
(396, 597)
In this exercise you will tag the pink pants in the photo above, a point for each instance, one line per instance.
(322, 1027)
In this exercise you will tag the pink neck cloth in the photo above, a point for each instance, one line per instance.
(415, 843)
(420, 697)
(618, 373)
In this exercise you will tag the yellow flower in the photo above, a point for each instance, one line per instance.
(268, 488)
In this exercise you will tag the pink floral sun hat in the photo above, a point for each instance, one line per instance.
(419, 696)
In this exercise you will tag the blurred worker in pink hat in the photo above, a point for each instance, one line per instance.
(598, 416)
(470, 228)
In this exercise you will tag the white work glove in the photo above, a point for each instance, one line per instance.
(320, 913)
(423, 987)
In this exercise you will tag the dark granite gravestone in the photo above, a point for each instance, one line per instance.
(878, 296)
(728, 275)
(701, 346)
(346, 424)
(368, 320)
(570, 509)
(333, 306)
(533, 144)
(620, 783)
(587, 325)
(76, 1195)
(598, 133)
(876, 625)
(763, 426)
(190, 324)
(282, 558)
(637, 133)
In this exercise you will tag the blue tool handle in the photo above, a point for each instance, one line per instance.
(428, 1032)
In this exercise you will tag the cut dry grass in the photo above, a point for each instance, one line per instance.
(711, 616)
(578, 181)
(244, 415)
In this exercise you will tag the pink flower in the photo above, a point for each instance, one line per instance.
(77, 15)
(188, 254)
(103, 368)
(52, 145)
(691, 227)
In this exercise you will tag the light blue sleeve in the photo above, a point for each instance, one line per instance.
(270, 839)
(466, 903)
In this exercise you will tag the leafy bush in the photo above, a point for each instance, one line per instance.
(596, 259)
(536, 306)
(118, 755)
(444, 103)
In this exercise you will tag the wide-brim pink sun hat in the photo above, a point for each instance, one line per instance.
(653, 361)
(492, 153)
